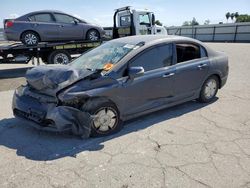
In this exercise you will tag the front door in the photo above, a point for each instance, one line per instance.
(155, 87)
(69, 27)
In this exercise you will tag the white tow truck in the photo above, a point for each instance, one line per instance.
(128, 21)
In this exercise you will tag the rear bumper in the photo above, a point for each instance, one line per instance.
(11, 35)
(49, 117)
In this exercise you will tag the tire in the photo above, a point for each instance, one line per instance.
(30, 38)
(93, 35)
(59, 57)
(209, 89)
(106, 117)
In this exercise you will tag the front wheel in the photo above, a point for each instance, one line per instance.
(209, 89)
(106, 117)
(93, 35)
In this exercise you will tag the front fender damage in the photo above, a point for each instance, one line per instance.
(69, 118)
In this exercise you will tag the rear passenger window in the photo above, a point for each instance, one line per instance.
(203, 52)
(155, 58)
(187, 52)
(41, 18)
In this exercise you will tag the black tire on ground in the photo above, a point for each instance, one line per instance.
(106, 117)
(59, 57)
(93, 35)
(30, 38)
(209, 89)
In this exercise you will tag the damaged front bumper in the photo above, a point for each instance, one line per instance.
(44, 114)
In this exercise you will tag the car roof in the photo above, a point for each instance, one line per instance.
(153, 38)
(46, 11)
(24, 17)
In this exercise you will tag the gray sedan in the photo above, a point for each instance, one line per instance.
(50, 26)
(119, 80)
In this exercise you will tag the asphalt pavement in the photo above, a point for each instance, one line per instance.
(190, 145)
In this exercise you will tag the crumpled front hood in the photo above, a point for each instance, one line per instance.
(50, 79)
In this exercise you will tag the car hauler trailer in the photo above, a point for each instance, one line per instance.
(50, 53)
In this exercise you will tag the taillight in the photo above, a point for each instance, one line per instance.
(9, 24)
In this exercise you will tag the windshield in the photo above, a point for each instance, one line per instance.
(103, 57)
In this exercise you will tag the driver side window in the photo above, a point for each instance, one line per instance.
(154, 58)
(144, 19)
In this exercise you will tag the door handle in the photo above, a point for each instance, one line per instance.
(61, 25)
(201, 66)
(168, 75)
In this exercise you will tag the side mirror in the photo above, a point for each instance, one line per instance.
(75, 22)
(134, 72)
(153, 19)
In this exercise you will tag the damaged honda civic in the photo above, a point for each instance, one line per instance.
(119, 80)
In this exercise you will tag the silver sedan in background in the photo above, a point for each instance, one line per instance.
(45, 26)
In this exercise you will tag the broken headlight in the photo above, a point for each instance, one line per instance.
(71, 102)
(20, 90)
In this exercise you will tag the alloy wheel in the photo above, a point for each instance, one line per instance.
(93, 36)
(105, 119)
(30, 39)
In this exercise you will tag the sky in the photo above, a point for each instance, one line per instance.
(169, 12)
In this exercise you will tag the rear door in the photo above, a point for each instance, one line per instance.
(191, 69)
(45, 25)
(155, 87)
(69, 27)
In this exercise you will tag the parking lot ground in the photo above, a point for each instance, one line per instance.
(190, 145)
(14, 66)
(11, 83)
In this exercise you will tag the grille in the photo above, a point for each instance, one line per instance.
(35, 118)
(29, 115)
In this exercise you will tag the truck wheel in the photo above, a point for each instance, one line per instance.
(59, 57)
(93, 35)
(30, 38)
(106, 119)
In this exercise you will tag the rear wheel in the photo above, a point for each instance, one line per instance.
(106, 117)
(209, 89)
(59, 57)
(30, 38)
(93, 35)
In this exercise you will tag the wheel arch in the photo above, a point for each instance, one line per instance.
(30, 30)
(100, 99)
